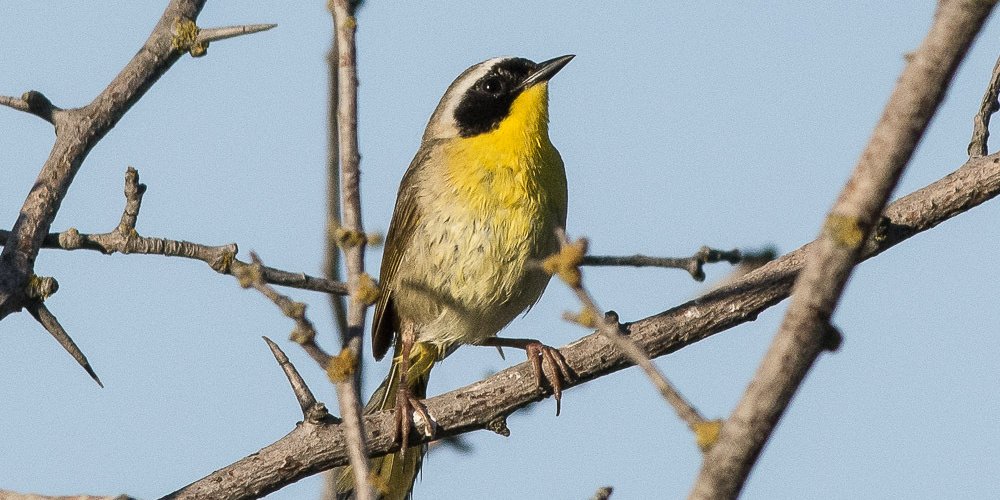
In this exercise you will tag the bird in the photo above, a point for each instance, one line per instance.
(477, 209)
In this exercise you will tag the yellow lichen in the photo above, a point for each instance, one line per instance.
(225, 262)
(375, 239)
(302, 335)
(186, 38)
(351, 23)
(341, 366)
(706, 433)
(566, 263)
(367, 291)
(248, 275)
(587, 317)
(846, 231)
(347, 238)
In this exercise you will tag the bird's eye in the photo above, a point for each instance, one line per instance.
(493, 85)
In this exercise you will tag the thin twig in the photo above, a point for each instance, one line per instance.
(331, 261)
(749, 261)
(602, 493)
(332, 255)
(206, 35)
(51, 325)
(32, 102)
(594, 355)
(694, 264)
(569, 258)
(312, 410)
(12, 495)
(126, 240)
(304, 333)
(348, 392)
(981, 123)
(803, 334)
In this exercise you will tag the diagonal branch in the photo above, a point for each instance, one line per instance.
(805, 330)
(320, 448)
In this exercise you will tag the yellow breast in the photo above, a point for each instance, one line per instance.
(498, 199)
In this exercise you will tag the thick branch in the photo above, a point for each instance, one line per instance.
(805, 328)
(317, 448)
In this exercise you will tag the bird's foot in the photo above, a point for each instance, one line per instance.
(410, 413)
(549, 366)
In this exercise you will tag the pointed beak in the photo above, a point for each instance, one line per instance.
(546, 70)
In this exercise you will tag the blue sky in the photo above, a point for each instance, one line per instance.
(681, 124)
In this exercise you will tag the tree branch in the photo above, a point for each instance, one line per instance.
(11, 495)
(33, 102)
(126, 240)
(351, 358)
(77, 131)
(981, 123)
(304, 333)
(51, 325)
(694, 264)
(566, 264)
(312, 410)
(317, 448)
(804, 332)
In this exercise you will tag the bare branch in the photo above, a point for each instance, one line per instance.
(126, 240)
(348, 392)
(321, 448)
(803, 334)
(566, 265)
(312, 410)
(11, 495)
(304, 333)
(602, 493)
(694, 264)
(749, 261)
(77, 131)
(33, 102)
(331, 261)
(981, 123)
(206, 35)
(51, 324)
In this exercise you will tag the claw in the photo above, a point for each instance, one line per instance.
(549, 366)
(408, 407)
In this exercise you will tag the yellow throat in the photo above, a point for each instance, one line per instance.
(512, 164)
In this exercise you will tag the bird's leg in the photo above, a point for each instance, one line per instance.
(547, 362)
(406, 403)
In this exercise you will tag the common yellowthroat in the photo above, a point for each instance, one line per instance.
(478, 205)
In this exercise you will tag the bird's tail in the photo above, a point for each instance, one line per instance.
(392, 475)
